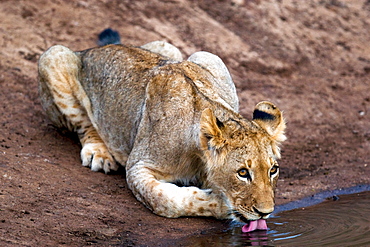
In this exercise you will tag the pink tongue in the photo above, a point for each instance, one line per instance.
(255, 225)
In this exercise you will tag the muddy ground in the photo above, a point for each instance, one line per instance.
(311, 58)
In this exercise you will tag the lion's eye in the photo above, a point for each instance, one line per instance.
(243, 173)
(274, 170)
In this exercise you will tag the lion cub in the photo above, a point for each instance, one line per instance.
(173, 124)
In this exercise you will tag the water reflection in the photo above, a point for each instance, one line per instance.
(340, 221)
(256, 238)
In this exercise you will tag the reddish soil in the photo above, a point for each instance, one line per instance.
(311, 58)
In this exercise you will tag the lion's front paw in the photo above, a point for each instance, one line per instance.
(96, 156)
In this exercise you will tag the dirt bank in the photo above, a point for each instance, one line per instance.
(311, 58)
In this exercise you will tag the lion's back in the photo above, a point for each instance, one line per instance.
(124, 84)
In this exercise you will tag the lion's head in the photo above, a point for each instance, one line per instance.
(241, 159)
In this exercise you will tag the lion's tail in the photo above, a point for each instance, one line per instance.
(108, 36)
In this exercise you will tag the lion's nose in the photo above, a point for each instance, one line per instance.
(263, 213)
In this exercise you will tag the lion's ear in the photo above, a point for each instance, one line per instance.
(270, 118)
(210, 131)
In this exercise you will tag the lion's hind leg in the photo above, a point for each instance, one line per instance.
(165, 49)
(67, 105)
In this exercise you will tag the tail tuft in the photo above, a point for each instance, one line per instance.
(108, 36)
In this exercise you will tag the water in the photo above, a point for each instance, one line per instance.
(339, 220)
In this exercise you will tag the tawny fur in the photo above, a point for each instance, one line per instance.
(173, 124)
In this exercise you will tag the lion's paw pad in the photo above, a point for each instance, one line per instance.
(97, 157)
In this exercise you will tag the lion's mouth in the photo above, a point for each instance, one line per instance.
(251, 225)
(255, 225)
(241, 217)
(247, 216)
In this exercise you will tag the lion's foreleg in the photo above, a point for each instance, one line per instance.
(169, 200)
